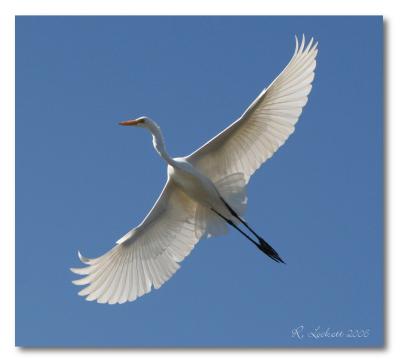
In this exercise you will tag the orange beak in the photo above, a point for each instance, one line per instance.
(130, 122)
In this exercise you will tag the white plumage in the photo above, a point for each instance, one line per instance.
(204, 192)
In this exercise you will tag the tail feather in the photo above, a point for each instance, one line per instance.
(208, 224)
(232, 189)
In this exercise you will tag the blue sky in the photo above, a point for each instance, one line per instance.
(82, 181)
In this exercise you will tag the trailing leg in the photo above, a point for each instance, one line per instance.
(261, 244)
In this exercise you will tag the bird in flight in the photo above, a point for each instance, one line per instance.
(205, 191)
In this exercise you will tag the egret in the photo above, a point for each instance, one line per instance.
(205, 191)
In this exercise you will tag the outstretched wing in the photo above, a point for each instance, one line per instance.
(146, 256)
(265, 125)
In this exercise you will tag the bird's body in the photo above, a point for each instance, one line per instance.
(205, 191)
(197, 186)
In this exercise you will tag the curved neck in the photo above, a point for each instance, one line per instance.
(158, 142)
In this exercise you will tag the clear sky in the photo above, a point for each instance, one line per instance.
(83, 181)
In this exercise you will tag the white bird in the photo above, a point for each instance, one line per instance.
(205, 191)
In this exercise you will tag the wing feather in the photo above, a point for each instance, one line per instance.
(265, 125)
(146, 256)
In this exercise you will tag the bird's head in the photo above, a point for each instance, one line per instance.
(149, 124)
(142, 122)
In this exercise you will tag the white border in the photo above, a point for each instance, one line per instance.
(8, 9)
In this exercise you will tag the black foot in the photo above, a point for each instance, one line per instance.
(269, 250)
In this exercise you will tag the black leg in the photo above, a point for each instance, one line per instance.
(233, 212)
(262, 244)
(230, 222)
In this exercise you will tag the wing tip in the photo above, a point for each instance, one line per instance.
(83, 259)
(77, 271)
(297, 44)
(302, 48)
